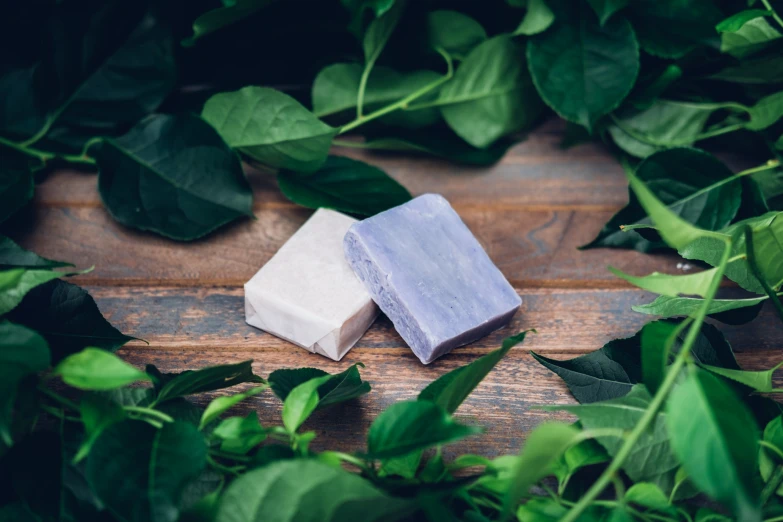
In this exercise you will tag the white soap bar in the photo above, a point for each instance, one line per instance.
(308, 294)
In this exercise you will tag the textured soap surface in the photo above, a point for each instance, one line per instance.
(430, 275)
(308, 294)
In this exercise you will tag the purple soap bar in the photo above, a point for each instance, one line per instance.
(429, 275)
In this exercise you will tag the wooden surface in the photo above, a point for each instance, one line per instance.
(530, 212)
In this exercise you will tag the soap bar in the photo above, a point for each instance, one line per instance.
(429, 274)
(307, 294)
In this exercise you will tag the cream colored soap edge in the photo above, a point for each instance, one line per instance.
(289, 320)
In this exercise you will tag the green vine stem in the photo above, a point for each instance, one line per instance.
(757, 272)
(401, 104)
(772, 484)
(774, 13)
(652, 410)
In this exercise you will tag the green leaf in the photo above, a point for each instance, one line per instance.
(346, 185)
(688, 182)
(409, 426)
(624, 413)
(737, 20)
(540, 453)
(100, 81)
(172, 175)
(450, 390)
(581, 69)
(17, 282)
(220, 405)
(716, 438)
(68, 318)
(773, 433)
(97, 412)
(240, 434)
(545, 509)
(271, 127)
(662, 125)
(140, 472)
(721, 309)
(221, 17)
(606, 8)
(758, 71)
(760, 381)
(442, 144)
(658, 338)
(301, 402)
(97, 369)
(585, 453)
(672, 285)
(336, 88)
(454, 32)
(538, 18)
(23, 352)
(16, 183)
(307, 491)
(753, 36)
(766, 112)
(14, 256)
(671, 28)
(212, 378)
(379, 31)
(491, 94)
(648, 496)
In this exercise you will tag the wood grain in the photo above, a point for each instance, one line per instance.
(533, 248)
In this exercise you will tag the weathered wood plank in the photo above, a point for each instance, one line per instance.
(567, 321)
(531, 247)
(504, 403)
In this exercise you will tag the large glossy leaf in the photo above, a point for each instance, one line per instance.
(113, 66)
(346, 185)
(140, 472)
(172, 175)
(582, 69)
(454, 32)
(491, 94)
(339, 387)
(652, 458)
(17, 282)
(97, 369)
(662, 125)
(450, 390)
(671, 28)
(751, 37)
(271, 127)
(307, 491)
(716, 438)
(14, 256)
(681, 179)
(189, 382)
(22, 352)
(68, 318)
(409, 426)
(729, 311)
(16, 183)
(336, 88)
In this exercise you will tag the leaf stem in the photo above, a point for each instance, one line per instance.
(772, 484)
(774, 13)
(149, 412)
(758, 274)
(46, 156)
(58, 398)
(652, 410)
(230, 456)
(402, 103)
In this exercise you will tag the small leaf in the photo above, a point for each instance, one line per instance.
(221, 17)
(760, 381)
(450, 390)
(648, 496)
(737, 20)
(606, 8)
(409, 426)
(671, 285)
(172, 175)
(766, 112)
(14, 256)
(97, 412)
(753, 36)
(97, 369)
(220, 405)
(596, 66)
(380, 30)
(716, 438)
(301, 402)
(140, 472)
(68, 318)
(17, 282)
(491, 94)
(729, 311)
(658, 338)
(207, 379)
(454, 32)
(240, 434)
(306, 490)
(773, 433)
(271, 127)
(345, 185)
(538, 18)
